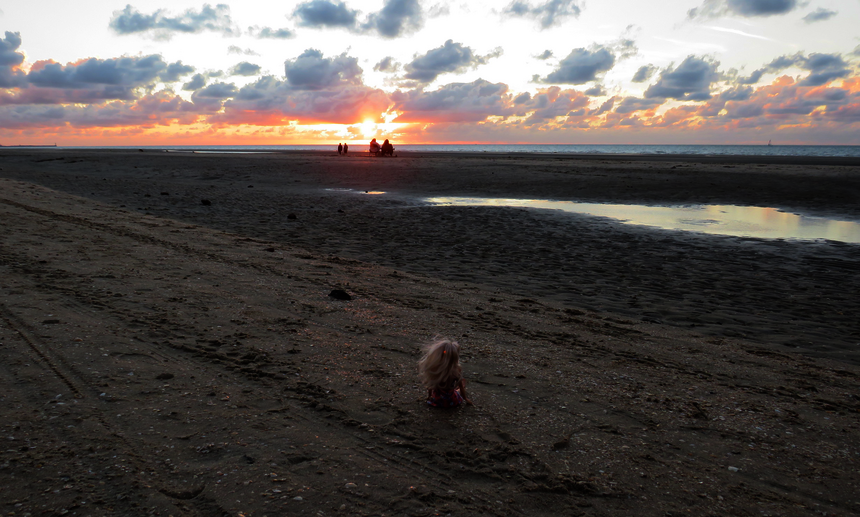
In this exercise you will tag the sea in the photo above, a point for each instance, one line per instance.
(847, 151)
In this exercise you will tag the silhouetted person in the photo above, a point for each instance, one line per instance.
(339, 148)
(387, 148)
(345, 149)
(374, 147)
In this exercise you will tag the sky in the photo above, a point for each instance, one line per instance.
(152, 72)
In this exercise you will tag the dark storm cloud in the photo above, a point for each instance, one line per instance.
(690, 81)
(386, 65)
(197, 81)
(819, 15)
(245, 68)
(270, 33)
(397, 17)
(312, 71)
(323, 13)
(549, 13)
(581, 66)
(208, 18)
(823, 68)
(745, 8)
(644, 73)
(10, 59)
(450, 57)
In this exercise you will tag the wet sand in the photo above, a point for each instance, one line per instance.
(166, 355)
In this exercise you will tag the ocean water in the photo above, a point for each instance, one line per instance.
(851, 151)
(738, 221)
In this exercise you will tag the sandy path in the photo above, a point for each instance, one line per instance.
(151, 365)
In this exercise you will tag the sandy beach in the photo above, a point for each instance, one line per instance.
(170, 345)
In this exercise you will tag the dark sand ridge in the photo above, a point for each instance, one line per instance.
(207, 373)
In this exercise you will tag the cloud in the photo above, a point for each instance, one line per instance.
(543, 56)
(396, 18)
(644, 73)
(690, 81)
(197, 81)
(581, 66)
(633, 104)
(553, 103)
(823, 68)
(208, 18)
(744, 8)
(596, 91)
(94, 79)
(175, 71)
(10, 60)
(217, 91)
(786, 99)
(450, 57)
(819, 15)
(311, 71)
(455, 102)
(270, 101)
(245, 68)
(235, 49)
(323, 13)
(270, 33)
(386, 65)
(604, 108)
(548, 14)
(157, 109)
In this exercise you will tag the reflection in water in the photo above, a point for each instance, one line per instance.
(740, 221)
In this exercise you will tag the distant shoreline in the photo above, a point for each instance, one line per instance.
(719, 159)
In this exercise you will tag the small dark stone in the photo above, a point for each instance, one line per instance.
(291, 216)
(250, 186)
(165, 193)
(248, 459)
(164, 376)
(339, 211)
(146, 195)
(270, 250)
(50, 322)
(205, 202)
(340, 294)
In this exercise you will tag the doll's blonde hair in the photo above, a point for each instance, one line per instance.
(440, 364)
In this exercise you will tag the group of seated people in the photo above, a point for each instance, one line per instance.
(381, 150)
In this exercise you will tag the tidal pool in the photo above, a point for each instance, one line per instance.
(739, 221)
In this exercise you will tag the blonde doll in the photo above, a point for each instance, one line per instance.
(442, 375)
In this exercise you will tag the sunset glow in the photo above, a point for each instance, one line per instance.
(324, 71)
